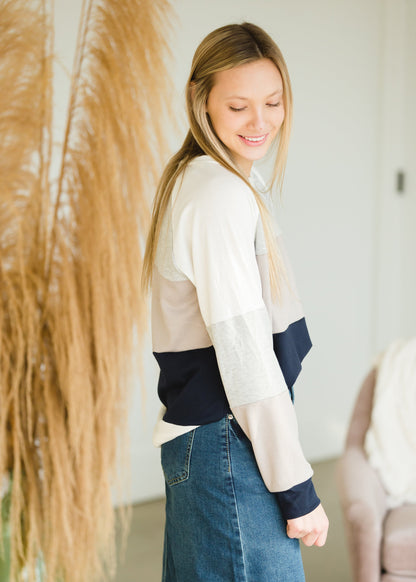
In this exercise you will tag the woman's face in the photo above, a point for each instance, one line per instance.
(246, 110)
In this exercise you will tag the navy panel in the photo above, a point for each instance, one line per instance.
(290, 347)
(299, 500)
(190, 387)
(190, 384)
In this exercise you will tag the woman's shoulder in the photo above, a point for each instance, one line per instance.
(205, 183)
(213, 174)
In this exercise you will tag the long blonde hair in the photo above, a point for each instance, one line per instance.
(224, 48)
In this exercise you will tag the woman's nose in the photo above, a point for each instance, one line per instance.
(257, 120)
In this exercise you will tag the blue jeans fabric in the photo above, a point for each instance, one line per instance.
(222, 524)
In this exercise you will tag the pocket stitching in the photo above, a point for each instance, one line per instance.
(185, 473)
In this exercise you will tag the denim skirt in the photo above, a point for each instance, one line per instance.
(222, 523)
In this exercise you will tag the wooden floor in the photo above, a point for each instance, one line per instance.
(142, 562)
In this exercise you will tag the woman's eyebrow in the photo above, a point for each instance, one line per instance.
(277, 92)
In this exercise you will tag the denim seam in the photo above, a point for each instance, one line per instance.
(227, 429)
(185, 473)
(227, 445)
(165, 557)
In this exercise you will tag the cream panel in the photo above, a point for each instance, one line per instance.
(166, 431)
(176, 319)
(164, 252)
(272, 428)
(214, 220)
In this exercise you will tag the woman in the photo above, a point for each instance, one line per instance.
(229, 333)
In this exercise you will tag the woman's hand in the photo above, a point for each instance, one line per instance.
(311, 528)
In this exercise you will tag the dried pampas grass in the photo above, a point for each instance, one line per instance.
(70, 262)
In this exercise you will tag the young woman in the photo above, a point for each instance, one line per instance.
(229, 332)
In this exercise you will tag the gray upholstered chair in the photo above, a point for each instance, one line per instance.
(382, 543)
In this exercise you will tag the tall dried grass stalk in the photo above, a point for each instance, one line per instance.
(71, 308)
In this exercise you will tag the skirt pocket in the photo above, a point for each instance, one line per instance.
(176, 458)
(237, 430)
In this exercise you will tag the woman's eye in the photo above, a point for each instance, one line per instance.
(243, 108)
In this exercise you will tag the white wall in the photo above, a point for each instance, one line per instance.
(333, 51)
(396, 233)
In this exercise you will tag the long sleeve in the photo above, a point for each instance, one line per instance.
(214, 228)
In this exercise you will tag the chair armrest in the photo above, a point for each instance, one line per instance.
(363, 501)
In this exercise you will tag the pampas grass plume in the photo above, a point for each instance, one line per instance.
(70, 265)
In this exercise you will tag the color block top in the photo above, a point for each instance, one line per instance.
(222, 343)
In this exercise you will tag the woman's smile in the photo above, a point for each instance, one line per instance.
(254, 141)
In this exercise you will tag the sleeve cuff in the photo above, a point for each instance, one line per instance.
(298, 500)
